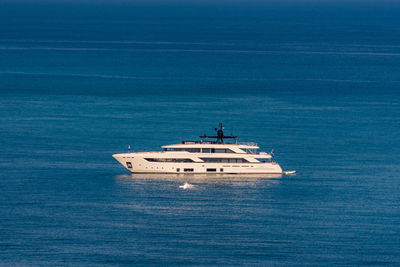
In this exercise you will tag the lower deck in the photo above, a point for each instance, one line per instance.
(138, 165)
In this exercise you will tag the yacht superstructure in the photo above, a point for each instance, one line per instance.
(202, 157)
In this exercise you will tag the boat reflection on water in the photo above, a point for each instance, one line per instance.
(231, 179)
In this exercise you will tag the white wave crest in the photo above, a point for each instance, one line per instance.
(187, 186)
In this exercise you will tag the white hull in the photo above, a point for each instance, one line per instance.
(135, 163)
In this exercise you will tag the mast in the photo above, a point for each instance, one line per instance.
(220, 135)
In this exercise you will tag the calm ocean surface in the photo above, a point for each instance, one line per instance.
(319, 84)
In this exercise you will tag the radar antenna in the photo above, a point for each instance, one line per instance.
(220, 134)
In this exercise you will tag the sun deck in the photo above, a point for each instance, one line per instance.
(199, 144)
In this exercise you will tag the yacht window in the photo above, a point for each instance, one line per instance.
(178, 169)
(211, 170)
(129, 165)
(203, 150)
(221, 170)
(175, 149)
(168, 160)
(219, 150)
(264, 160)
(193, 150)
(224, 160)
(250, 150)
(216, 150)
(188, 170)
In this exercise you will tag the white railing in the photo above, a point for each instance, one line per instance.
(247, 143)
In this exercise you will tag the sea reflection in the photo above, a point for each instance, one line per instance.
(228, 179)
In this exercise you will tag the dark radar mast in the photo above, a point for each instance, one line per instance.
(220, 135)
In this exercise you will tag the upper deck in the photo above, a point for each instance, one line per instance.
(217, 146)
(209, 144)
(212, 147)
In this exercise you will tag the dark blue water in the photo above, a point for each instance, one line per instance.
(317, 83)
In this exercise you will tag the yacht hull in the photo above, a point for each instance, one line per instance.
(137, 164)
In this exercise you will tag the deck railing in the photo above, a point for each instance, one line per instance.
(247, 143)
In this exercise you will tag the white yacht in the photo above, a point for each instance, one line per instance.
(203, 157)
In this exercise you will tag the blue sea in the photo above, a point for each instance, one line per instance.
(317, 82)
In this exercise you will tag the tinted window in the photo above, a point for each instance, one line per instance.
(168, 160)
(221, 150)
(193, 150)
(224, 160)
(175, 149)
(263, 160)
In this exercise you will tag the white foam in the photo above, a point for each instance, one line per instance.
(187, 186)
(289, 172)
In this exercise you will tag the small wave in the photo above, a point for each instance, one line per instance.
(186, 186)
(82, 75)
(179, 50)
(290, 44)
(59, 48)
(114, 42)
(130, 77)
